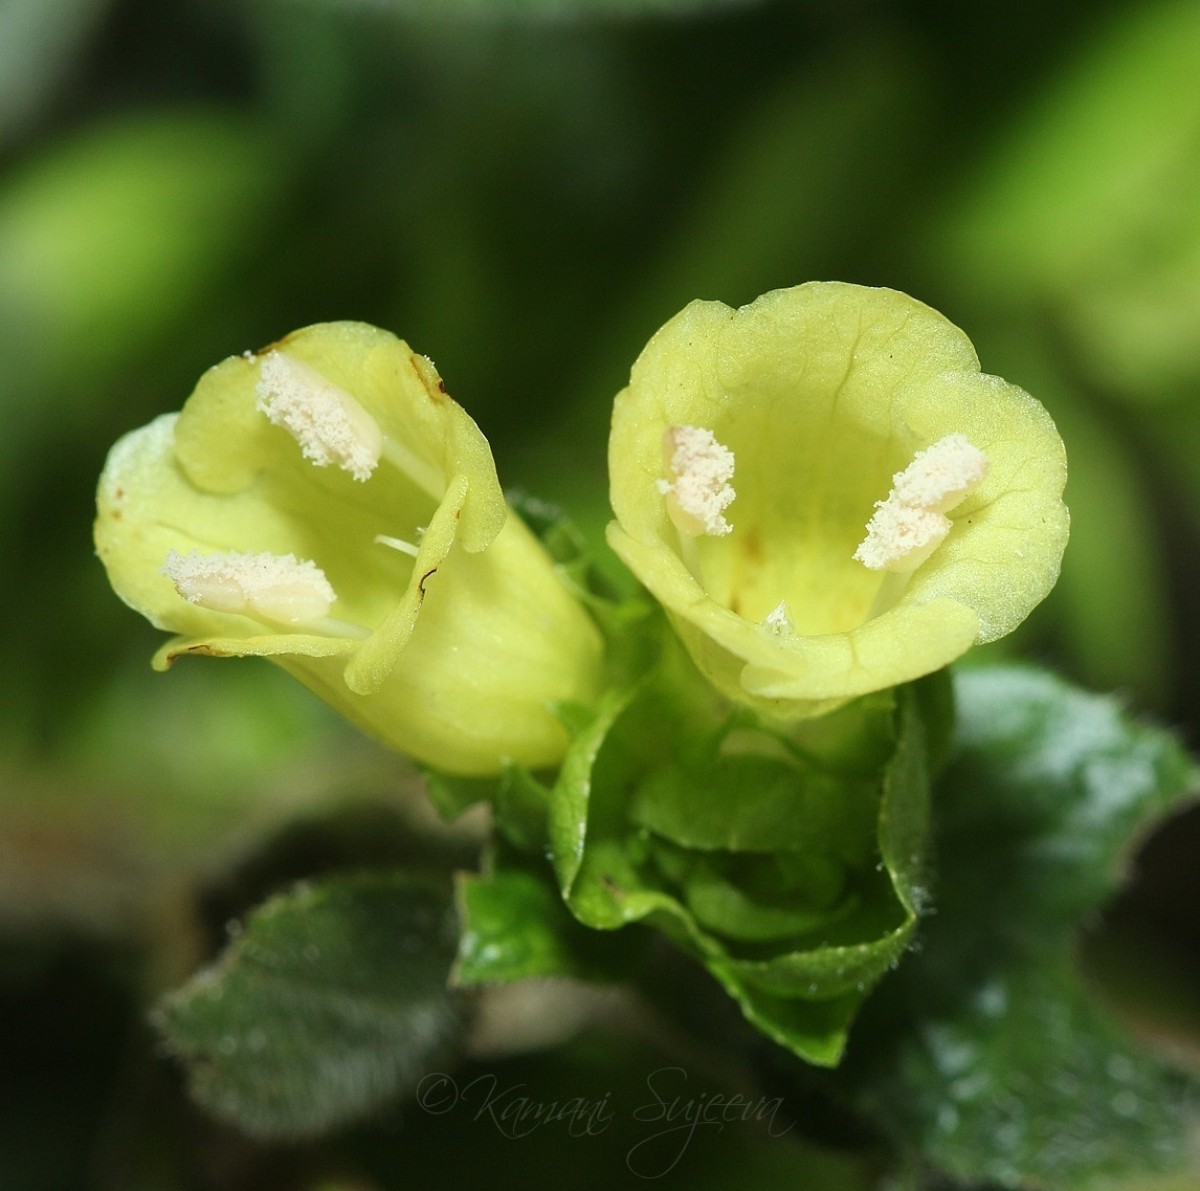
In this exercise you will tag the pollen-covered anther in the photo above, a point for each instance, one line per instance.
(942, 475)
(274, 587)
(906, 528)
(700, 490)
(901, 537)
(327, 422)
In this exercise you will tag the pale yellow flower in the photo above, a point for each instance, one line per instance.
(325, 504)
(815, 413)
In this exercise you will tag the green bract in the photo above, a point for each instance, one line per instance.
(324, 503)
(824, 394)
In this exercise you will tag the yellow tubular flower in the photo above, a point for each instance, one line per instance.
(827, 495)
(325, 504)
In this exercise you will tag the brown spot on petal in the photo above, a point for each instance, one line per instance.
(427, 374)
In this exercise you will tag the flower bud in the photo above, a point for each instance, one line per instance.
(325, 504)
(867, 503)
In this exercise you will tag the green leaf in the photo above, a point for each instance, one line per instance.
(757, 804)
(511, 929)
(453, 795)
(1030, 1084)
(518, 799)
(759, 897)
(985, 1052)
(522, 808)
(330, 1001)
(1040, 811)
(572, 791)
(770, 856)
(515, 927)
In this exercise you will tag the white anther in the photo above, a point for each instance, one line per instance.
(700, 491)
(328, 423)
(906, 528)
(275, 587)
(941, 475)
(900, 537)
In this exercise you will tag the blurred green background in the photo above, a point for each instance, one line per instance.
(524, 190)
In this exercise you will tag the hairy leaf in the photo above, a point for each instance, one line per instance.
(330, 1001)
(985, 1051)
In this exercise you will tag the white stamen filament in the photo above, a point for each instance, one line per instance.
(700, 491)
(273, 587)
(400, 544)
(327, 422)
(906, 528)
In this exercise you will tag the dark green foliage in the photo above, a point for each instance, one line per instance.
(331, 1000)
(985, 1052)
